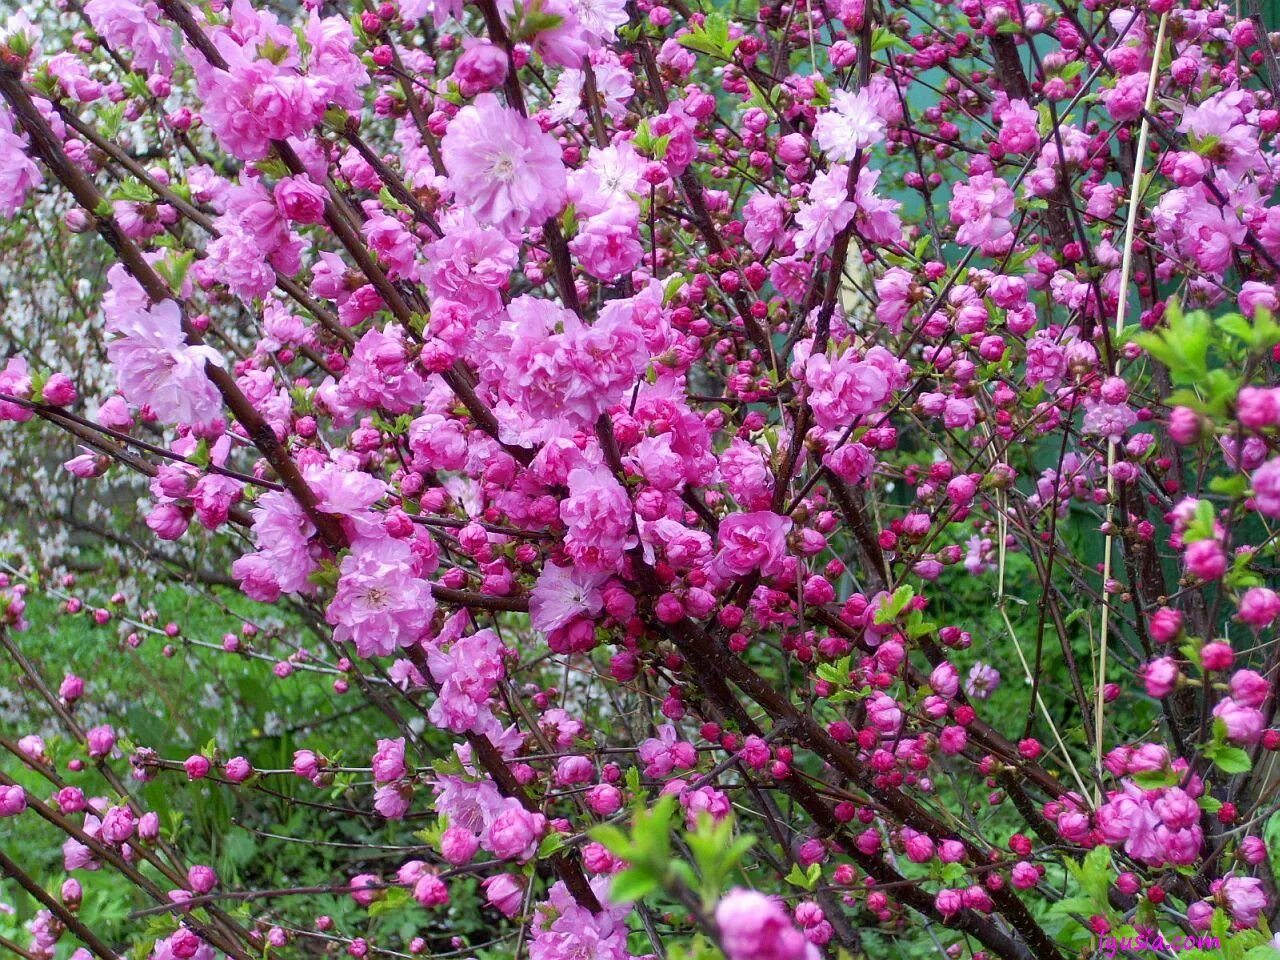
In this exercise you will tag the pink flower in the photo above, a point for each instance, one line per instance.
(945, 679)
(982, 208)
(502, 167)
(514, 832)
(1260, 607)
(468, 674)
(334, 70)
(253, 102)
(1160, 676)
(306, 764)
(182, 945)
(1244, 897)
(842, 391)
(201, 879)
(561, 595)
(213, 497)
(132, 26)
(156, 367)
(238, 770)
(1243, 724)
(470, 265)
(388, 762)
(1206, 559)
(118, 825)
(597, 513)
(948, 902)
(13, 800)
(380, 373)
(1266, 488)
(395, 246)
(430, 891)
(745, 473)
(168, 521)
(458, 845)
(504, 893)
(196, 766)
(59, 391)
(608, 244)
(850, 125)
(392, 800)
(101, 740)
(1019, 127)
(19, 174)
(558, 369)
(1249, 688)
(983, 680)
(604, 799)
(300, 200)
(15, 381)
(380, 604)
(827, 211)
(883, 713)
(482, 66)
(752, 541)
(283, 562)
(766, 218)
(756, 927)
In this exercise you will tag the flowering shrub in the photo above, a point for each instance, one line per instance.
(624, 399)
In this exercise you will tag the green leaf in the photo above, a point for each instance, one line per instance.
(1234, 486)
(551, 843)
(1182, 344)
(712, 37)
(1154, 779)
(1094, 874)
(890, 609)
(806, 879)
(633, 884)
(1230, 760)
(393, 899)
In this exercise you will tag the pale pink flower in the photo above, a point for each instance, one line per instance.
(156, 367)
(850, 125)
(502, 167)
(380, 604)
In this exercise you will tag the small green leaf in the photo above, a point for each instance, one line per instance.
(633, 884)
(1230, 760)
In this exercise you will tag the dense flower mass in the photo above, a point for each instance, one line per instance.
(769, 483)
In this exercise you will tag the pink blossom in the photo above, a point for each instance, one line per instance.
(514, 832)
(156, 367)
(468, 674)
(388, 762)
(563, 594)
(379, 604)
(597, 513)
(502, 167)
(608, 244)
(253, 102)
(827, 211)
(842, 391)
(504, 893)
(849, 126)
(1245, 898)
(132, 26)
(982, 208)
(756, 927)
(1266, 488)
(752, 541)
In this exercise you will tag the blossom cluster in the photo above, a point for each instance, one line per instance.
(622, 394)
